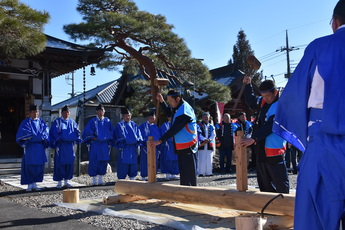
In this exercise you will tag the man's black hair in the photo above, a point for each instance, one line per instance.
(100, 107)
(339, 11)
(65, 108)
(125, 111)
(267, 86)
(33, 107)
(241, 113)
(151, 113)
(174, 93)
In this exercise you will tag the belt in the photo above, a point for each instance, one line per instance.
(315, 115)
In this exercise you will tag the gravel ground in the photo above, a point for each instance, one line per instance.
(44, 201)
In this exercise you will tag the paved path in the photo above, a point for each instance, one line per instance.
(16, 216)
(47, 182)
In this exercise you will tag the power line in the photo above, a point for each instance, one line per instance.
(288, 50)
(274, 57)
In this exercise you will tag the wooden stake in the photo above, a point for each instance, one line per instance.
(71, 195)
(209, 196)
(151, 161)
(249, 223)
(241, 164)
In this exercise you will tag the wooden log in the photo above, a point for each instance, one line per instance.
(209, 196)
(71, 195)
(121, 199)
(151, 161)
(241, 164)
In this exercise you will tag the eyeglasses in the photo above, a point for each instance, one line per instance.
(331, 21)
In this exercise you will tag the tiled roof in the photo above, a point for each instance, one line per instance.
(223, 75)
(65, 57)
(173, 84)
(104, 94)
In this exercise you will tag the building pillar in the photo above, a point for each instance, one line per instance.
(46, 108)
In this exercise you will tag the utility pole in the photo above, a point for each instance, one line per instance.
(68, 78)
(287, 49)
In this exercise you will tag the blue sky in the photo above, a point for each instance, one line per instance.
(210, 30)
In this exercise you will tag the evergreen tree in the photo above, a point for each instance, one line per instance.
(21, 30)
(143, 41)
(241, 51)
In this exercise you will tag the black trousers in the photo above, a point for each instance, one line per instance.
(187, 165)
(272, 177)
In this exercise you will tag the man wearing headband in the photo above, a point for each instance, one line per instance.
(272, 175)
(33, 135)
(63, 136)
(310, 117)
(184, 131)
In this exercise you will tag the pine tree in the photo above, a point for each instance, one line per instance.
(241, 51)
(21, 30)
(143, 41)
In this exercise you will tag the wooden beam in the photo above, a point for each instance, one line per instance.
(209, 196)
(241, 164)
(151, 161)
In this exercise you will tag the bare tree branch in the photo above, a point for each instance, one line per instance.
(141, 49)
(142, 67)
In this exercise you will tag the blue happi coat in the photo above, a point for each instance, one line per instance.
(63, 135)
(128, 138)
(167, 147)
(147, 130)
(33, 136)
(168, 158)
(187, 137)
(99, 136)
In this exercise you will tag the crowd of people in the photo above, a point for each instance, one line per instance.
(306, 119)
(185, 149)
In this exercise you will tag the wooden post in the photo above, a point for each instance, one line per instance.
(151, 161)
(241, 164)
(209, 196)
(71, 195)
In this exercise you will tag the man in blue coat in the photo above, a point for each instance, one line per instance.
(310, 116)
(184, 131)
(148, 128)
(63, 136)
(128, 139)
(99, 136)
(32, 135)
(270, 148)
